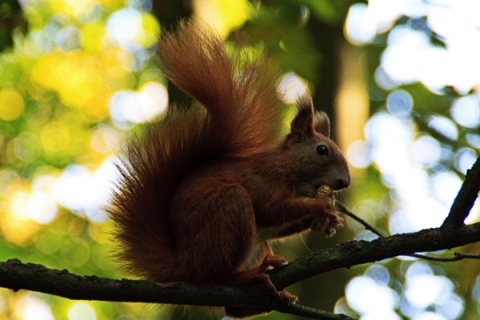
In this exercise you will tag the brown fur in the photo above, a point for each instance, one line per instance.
(201, 193)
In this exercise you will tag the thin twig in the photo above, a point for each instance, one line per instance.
(467, 255)
(438, 259)
(457, 256)
(312, 313)
(340, 207)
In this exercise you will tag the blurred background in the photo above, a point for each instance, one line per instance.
(399, 78)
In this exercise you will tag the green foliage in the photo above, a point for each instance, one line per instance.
(279, 28)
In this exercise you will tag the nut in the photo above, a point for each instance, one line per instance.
(325, 192)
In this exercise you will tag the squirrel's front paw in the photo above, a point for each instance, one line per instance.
(329, 221)
(332, 227)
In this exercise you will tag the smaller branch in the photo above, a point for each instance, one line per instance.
(422, 123)
(311, 313)
(457, 256)
(466, 255)
(352, 253)
(465, 199)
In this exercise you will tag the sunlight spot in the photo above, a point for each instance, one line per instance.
(476, 289)
(133, 29)
(70, 188)
(153, 98)
(128, 107)
(383, 126)
(474, 215)
(11, 104)
(473, 140)
(32, 308)
(55, 137)
(464, 159)
(378, 273)
(445, 186)
(444, 126)
(466, 111)
(453, 308)
(41, 207)
(360, 25)
(26, 147)
(403, 58)
(18, 204)
(85, 192)
(383, 79)
(400, 103)
(223, 16)
(426, 151)
(81, 311)
(425, 290)
(358, 154)
(104, 139)
(365, 295)
(291, 87)
(124, 26)
(410, 55)
(425, 211)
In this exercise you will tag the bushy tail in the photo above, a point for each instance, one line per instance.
(238, 90)
(242, 118)
(150, 169)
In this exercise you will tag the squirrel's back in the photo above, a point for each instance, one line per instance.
(239, 117)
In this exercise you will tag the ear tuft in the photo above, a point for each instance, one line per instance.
(322, 123)
(303, 125)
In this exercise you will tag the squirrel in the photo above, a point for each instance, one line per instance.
(203, 191)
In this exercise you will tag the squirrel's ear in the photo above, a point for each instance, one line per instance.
(302, 125)
(322, 123)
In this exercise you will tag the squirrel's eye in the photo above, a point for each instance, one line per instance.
(322, 150)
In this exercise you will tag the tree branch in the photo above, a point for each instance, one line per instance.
(465, 199)
(16, 275)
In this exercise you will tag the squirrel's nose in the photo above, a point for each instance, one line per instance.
(342, 183)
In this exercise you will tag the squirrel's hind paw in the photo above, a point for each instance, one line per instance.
(286, 298)
(273, 261)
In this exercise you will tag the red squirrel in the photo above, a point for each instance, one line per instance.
(203, 191)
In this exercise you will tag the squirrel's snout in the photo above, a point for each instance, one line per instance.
(341, 183)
